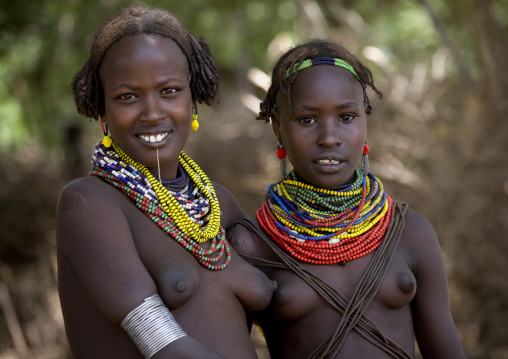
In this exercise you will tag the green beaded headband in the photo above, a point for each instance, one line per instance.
(323, 61)
(326, 61)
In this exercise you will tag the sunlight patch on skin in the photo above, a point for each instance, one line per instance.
(151, 39)
(79, 197)
(79, 211)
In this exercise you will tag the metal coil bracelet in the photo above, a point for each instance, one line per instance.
(152, 326)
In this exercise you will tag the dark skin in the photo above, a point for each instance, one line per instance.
(323, 133)
(111, 256)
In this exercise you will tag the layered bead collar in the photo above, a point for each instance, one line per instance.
(326, 226)
(186, 208)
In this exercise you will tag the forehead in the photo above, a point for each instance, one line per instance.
(327, 79)
(321, 84)
(144, 49)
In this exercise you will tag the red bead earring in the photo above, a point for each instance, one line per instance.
(281, 152)
(281, 155)
(365, 149)
(365, 160)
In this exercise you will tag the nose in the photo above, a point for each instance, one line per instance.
(153, 109)
(329, 133)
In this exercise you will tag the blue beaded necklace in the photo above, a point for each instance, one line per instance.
(329, 225)
(106, 164)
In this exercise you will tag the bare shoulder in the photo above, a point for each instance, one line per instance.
(80, 195)
(417, 229)
(85, 206)
(80, 192)
(420, 240)
(88, 195)
(93, 229)
(418, 223)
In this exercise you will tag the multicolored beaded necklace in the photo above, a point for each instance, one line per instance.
(326, 226)
(187, 210)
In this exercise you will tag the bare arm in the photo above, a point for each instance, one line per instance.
(435, 330)
(94, 234)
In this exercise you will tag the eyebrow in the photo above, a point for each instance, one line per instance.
(120, 86)
(135, 87)
(344, 106)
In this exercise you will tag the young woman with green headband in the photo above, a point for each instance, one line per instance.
(144, 268)
(359, 274)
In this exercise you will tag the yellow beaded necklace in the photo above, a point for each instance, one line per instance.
(354, 230)
(281, 189)
(171, 206)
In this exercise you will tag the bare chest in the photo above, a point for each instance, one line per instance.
(183, 281)
(295, 299)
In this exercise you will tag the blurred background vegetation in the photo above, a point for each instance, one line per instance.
(438, 138)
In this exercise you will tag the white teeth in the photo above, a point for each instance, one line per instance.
(153, 138)
(333, 162)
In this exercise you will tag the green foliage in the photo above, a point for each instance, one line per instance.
(45, 43)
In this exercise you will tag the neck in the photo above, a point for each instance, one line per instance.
(355, 178)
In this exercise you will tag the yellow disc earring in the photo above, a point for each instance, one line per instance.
(195, 123)
(106, 141)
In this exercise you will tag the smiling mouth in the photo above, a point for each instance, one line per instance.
(154, 138)
(328, 162)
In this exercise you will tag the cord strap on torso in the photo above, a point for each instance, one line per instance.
(352, 311)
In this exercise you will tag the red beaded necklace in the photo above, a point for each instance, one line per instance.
(315, 236)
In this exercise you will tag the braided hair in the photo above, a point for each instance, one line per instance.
(310, 50)
(204, 84)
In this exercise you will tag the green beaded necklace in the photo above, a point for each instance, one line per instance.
(128, 178)
(326, 226)
(173, 208)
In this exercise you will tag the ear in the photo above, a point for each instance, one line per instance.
(275, 117)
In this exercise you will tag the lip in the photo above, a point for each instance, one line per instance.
(329, 162)
(155, 138)
(330, 157)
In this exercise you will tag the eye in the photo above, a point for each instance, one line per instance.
(347, 117)
(307, 120)
(126, 96)
(168, 91)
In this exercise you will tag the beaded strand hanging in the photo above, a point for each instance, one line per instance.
(170, 204)
(326, 226)
(187, 210)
